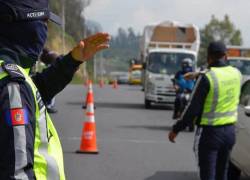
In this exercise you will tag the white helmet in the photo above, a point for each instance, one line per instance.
(187, 62)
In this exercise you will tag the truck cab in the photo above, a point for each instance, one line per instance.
(161, 67)
(135, 74)
(239, 57)
(163, 48)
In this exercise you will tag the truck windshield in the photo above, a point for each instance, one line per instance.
(242, 65)
(166, 63)
(136, 74)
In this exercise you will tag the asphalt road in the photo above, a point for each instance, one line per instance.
(132, 141)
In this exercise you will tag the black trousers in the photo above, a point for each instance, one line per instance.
(212, 148)
(179, 105)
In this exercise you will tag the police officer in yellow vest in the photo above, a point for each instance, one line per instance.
(30, 147)
(213, 107)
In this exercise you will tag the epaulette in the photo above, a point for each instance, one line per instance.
(13, 71)
(203, 72)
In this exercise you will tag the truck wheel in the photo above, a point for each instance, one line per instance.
(233, 172)
(147, 104)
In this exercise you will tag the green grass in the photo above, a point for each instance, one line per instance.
(76, 80)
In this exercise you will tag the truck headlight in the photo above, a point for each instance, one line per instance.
(150, 87)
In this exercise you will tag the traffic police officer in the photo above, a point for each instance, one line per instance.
(30, 147)
(213, 105)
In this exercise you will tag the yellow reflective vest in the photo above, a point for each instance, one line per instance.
(222, 101)
(48, 156)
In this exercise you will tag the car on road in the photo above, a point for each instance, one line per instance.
(135, 74)
(123, 78)
(120, 76)
(242, 64)
(240, 156)
(239, 57)
(135, 77)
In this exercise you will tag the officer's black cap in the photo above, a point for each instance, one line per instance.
(217, 47)
(26, 10)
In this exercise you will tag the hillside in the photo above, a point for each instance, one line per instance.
(55, 41)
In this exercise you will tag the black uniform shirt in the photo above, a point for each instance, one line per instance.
(17, 113)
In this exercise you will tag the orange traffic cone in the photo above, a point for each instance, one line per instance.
(88, 139)
(87, 82)
(101, 83)
(89, 95)
(115, 84)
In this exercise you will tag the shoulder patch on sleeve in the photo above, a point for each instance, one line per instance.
(16, 117)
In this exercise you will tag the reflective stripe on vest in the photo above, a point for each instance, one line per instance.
(19, 132)
(52, 167)
(48, 158)
(219, 110)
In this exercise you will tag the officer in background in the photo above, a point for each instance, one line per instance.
(182, 85)
(213, 105)
(30, 147)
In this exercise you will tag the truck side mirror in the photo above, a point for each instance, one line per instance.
(245, 94)
(144, 65)
(172, 78)
(247, 110)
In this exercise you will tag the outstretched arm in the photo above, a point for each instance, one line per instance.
(54, 78)
(194, 108)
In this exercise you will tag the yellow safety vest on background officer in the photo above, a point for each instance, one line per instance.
(213, 106)
(48, 156)
(220, 106)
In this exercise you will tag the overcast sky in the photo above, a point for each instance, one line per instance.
(112, 14)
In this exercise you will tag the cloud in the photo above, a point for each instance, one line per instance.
(143, 16)
(97, 7)
(112, 14)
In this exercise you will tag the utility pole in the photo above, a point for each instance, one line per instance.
(84, 65)
(94, 61)
(63, 26)
(101, 65)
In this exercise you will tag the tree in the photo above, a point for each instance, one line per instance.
(217, 30)
(132, 39)
(74, 21)
(123, 47)
(121, 39)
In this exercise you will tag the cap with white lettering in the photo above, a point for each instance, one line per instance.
(26, 10)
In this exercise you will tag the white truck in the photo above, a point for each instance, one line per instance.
(163, 48)
(239, 57)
